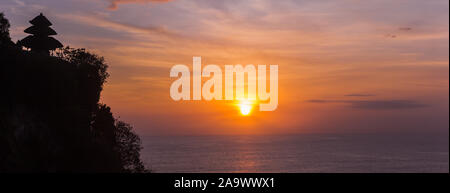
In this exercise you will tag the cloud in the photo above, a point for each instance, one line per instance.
(20, 3)
(318, 101)
(359, 95)
(115, 3)
(390, 36)
(376, 104)
(405, 29)
(117, 26)
(386, 104)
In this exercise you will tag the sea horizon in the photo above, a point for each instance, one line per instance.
(300, 153)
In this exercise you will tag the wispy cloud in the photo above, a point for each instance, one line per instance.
(359, 95)
(115, 3)
(376, 104)
(405, 28)
(94, 20)
(387, 104)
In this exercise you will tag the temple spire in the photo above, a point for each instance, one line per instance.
(39, 40)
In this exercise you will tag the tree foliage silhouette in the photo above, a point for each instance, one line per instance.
(50, 116)
(4, 30)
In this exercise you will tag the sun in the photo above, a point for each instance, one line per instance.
(245, 107)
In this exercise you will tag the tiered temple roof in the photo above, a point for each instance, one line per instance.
(39, 39)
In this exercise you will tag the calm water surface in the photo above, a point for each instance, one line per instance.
(297, 153)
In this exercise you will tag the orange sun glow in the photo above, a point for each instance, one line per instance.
(245, 107)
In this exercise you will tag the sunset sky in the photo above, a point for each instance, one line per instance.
(344, 66)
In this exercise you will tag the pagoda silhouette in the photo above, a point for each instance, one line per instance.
(40, 40)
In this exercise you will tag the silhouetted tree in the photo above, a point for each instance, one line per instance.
(4, 30)
(109, 132)
(50, 116)
(93, 73)
(129, 146)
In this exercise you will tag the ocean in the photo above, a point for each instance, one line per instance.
(359, 153)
